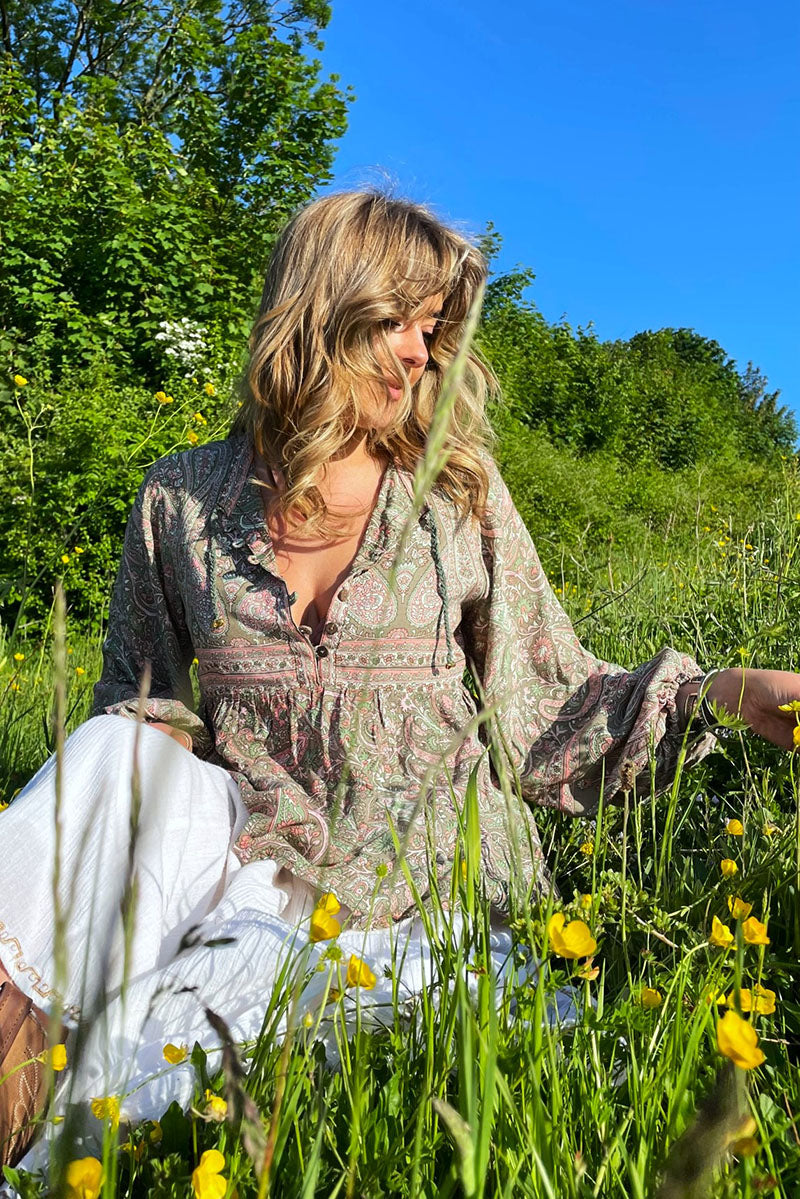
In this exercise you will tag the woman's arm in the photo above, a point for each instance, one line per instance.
(147, 623)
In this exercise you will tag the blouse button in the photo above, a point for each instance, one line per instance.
(331, 627)
(252, 558)
(344, 594)
(322, 651)
(218, 623)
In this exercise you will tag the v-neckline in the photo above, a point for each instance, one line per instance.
(370, 544)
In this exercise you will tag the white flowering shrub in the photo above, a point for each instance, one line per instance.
(184, 344)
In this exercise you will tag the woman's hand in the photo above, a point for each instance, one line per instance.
(755, 696)
(176, 734)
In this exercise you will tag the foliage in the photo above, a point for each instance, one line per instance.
(148, 154)
(671, 398)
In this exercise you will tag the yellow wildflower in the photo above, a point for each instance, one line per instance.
(77, 549)
(754, 932)
(588, 971)
(463, 870)
(175, 1054)
(324, 925)
(738, 1040)
(792, 706)
(735, 828)
(192, 437)
(744, 1147)
(573, 941)
(209, 389)
(55, 1057)
(79, 671)
(207, 1179)
(769, 830)
(215, 1106)
(649, 997)
(586, 902)
(796, 736)
(721, 935)
(764, 1001)
(19, 657)
(107, 1109)
(65, 558)
(83, 1178)
(359, 974)
(738, 908)
(3, 806)
(728, 867)
(587, 849)
(156, 1133)
(20, 381)
(712, 995)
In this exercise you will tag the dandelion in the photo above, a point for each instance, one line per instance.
(754, 932)
(650, 997)
(735, 828)
(83, 1178)
(573, 941)
(324, 925)
(207, 1179)
(175, 1054)
(107, 1109)
(760, 1000)
(738, 1040)
(215, 1106)
(56, 1057)
(587, 849)
(738, 908)
(209, 389)
(359, 974)
(721, 935)
(19, 657)
(728, 867)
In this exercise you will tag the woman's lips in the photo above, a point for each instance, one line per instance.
(395, 392)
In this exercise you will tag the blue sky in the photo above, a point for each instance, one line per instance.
(641, 156)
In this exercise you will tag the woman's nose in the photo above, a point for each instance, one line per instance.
(413, 349)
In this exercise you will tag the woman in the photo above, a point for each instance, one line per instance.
(332, 619)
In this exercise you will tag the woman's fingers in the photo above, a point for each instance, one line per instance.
(176, 734)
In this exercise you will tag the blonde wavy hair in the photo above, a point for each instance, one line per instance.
(344, 268)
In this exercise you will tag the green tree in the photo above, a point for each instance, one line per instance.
(148, 154)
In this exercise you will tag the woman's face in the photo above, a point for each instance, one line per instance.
(410, 343)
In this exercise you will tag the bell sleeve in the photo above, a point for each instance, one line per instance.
(147, 622)
(565, 718)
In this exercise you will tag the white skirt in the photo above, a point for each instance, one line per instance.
(203, 930)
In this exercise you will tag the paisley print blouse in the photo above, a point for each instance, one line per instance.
(355, 752)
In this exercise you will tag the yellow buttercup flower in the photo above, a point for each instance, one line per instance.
(721, 935)
(760, 999)
(735, 828)
(175, 1054)
(107, 1109)
(19, 657)
(728, 867)
(796, 736)
(324, 925)
(738, 1040)
(156, 1134)
(207, 1179)
(79, 671)
(83, 1178)
(359, 974)
(65, 558)
(20, 381)
(215, 1106)
(649, 997)
(209, 389)
(192, 437)
(712, 995)
(792, 706)
(56, 1057)
(738, 908)
(588, 971)
(587, 849)
(573, 941)
(754, 932)
(77, 549)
